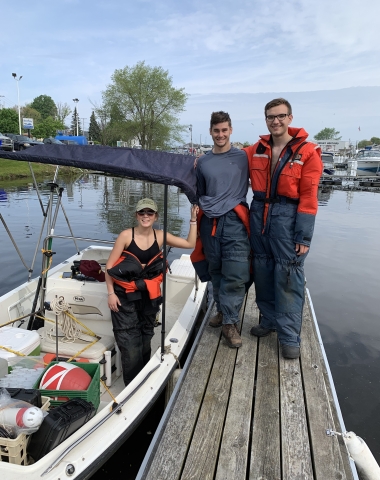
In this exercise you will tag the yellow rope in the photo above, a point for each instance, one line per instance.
(109, 392)
(83, 349)
(47, 252)
(13, 351)
(167, 349)
(17, 319)
(89, 332)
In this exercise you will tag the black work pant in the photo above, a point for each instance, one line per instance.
(133, 327)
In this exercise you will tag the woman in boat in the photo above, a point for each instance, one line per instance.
(134, 274)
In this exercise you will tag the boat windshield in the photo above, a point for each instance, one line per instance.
(369, 153)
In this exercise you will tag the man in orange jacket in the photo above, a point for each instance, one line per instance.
(284, 170)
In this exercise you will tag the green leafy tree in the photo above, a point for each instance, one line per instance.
(47, 128)
(246, 144)
(364, 143)
(28, 112)
(45, 105)
(375, 140)
(93, 129)
(63, 111)
(111, 126)
(327, 134)
(75, 123)
(148, 104)
(8, 121)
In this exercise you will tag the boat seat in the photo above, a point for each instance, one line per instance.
(94, 353)
(86, 299)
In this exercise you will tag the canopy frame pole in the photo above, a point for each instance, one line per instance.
(163, 316)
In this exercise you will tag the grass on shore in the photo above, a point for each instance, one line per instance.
(10, 169)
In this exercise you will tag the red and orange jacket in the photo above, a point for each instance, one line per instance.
(295, 179)
(198, 257)
(128, 273)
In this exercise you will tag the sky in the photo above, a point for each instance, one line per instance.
(323, 56)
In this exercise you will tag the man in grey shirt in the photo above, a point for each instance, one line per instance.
(222, 184)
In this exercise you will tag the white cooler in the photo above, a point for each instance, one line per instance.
(20, 340)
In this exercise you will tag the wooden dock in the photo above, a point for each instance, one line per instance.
(250, 414)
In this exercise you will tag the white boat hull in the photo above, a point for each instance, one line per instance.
(91, 445)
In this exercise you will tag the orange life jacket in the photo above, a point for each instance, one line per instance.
(198, 257)
(129, 273)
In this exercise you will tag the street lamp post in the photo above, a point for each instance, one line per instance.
(14, 75)
(191, 137)
(76, 100)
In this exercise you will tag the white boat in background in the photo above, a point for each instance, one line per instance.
(328, 163)
(367, 161)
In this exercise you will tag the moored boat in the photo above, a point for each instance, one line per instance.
(119, 409)
(328, 163)
(367, 161)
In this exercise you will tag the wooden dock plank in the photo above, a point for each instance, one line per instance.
(295, 447)
(204, 449)
(171, 452)
(233, 456)
(212, 434)
(266, 447)
(325, 450)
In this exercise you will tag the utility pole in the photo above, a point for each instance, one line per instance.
(76, 100)
(191, 137)
(14, 75)
(83, 119)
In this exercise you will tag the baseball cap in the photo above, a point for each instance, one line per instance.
(91, 268)
(146, 203)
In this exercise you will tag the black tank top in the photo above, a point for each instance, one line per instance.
(143, 255)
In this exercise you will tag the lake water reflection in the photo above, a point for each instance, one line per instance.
(342, 271)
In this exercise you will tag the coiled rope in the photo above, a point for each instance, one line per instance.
(67, 325)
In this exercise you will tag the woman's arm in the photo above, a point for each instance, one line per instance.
(179, 242)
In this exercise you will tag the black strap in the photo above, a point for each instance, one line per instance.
(133, 233)
(154, 232)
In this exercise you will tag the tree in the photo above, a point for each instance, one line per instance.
(8, 121)
(375, 140)
(93, 129)
(45, 105)
(47, 128)
(327, 134)
(246, 144)
(75, 123)
(148, 104)
(111, 126)
(63, 111)
(364, 143)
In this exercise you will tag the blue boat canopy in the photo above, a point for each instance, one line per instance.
(151, 166)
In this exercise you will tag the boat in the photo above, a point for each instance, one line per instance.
(367, 161)
(328, 163)
(120, 409)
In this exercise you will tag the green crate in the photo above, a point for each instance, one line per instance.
(92, 394)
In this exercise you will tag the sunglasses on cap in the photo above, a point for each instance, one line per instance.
(150, 213)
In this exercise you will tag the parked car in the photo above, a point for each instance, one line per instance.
(6, 143)
(21, 142)
(52, 140)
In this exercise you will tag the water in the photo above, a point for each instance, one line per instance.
(342, 272)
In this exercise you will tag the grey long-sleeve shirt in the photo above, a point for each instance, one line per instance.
(222, 181)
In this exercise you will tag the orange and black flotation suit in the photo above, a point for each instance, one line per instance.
(128, 273)
(198, 257)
